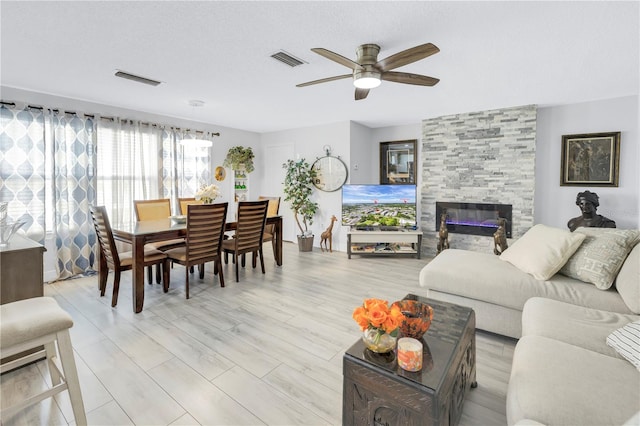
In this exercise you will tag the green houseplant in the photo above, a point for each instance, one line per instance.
(239, 156)
(298, 187)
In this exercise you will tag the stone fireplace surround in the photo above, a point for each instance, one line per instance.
(478, 157)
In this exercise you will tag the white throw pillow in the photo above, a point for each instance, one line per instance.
(626, 341)
(601, 255)
(628, 280)
(542, 250)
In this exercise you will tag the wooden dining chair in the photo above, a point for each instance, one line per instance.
(269, 229)
(205, 228)
(248, 233)
(122, 261)
(154, 210)
(184, 202)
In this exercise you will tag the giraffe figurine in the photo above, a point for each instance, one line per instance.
(327, 236)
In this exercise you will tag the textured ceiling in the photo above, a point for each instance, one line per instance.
(493, 55)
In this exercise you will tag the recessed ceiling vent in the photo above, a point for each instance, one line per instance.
(287, 58)
(139, 79)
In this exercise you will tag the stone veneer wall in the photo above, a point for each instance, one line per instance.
(479, 157)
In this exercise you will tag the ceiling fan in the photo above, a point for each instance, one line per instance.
(368, 71)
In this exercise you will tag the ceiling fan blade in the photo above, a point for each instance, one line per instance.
(324, 80)
(407, 56)
(361, 93)
(408, 78)
(337, 58)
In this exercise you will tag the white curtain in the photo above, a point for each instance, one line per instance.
(129, 166)
(138, 161)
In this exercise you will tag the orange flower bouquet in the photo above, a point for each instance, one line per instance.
(380, 324)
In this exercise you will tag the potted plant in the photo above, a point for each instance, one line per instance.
(298, 187)
(239, 157)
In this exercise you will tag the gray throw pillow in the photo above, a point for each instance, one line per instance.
(600, 256)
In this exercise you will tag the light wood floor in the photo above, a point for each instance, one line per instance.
(266, 350)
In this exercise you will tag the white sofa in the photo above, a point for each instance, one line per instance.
(564, 372)
(497, 290)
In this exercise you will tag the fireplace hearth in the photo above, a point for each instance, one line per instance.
(474, 218)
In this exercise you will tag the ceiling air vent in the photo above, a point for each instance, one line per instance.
(287, 58)
(129, 76)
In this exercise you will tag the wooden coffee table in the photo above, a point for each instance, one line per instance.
(376, 391)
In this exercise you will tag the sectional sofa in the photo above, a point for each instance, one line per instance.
(567, 297)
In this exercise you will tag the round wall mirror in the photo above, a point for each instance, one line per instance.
(331, 173)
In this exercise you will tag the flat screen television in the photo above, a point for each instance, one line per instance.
(385, 207)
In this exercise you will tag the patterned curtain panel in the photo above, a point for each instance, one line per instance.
(74, 164)
(22, 167)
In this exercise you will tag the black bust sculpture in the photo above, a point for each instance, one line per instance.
(588, 203)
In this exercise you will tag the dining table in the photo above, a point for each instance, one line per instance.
(144, 232)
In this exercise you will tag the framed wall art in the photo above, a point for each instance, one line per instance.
(397, 162)
(590, 159)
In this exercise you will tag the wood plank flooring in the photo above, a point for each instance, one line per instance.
(266, 350)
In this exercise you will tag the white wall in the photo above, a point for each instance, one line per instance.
(361, 169)
(555, 204)
(357, 145)
(308, 143)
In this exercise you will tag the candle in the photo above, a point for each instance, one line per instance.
(409, 354)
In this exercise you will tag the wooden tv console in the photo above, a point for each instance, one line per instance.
(384, 242)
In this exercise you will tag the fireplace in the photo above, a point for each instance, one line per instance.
(474, 218)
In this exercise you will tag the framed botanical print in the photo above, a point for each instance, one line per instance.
(590, 159)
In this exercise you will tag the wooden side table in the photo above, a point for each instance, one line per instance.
(376, 391)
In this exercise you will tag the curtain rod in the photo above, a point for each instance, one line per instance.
(40, 107)
(162, 126)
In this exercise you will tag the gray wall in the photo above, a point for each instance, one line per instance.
(479, 157)
(555, 204)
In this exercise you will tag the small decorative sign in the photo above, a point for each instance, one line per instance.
(590, 159)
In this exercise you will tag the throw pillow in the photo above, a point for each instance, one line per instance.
(601, 255)
(542, 250)
(626, 341)
(628, 280)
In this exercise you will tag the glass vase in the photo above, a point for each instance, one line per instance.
(378, 342)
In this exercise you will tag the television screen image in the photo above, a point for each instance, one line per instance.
(379, 206)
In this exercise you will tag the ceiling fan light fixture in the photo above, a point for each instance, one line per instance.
(366, 79)
(366, 82)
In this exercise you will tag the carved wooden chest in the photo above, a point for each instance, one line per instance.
(376, 391)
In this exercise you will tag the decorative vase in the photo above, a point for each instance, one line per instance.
(381, 343)
(206, 200)
(417, 318)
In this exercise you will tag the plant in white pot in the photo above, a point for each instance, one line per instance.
(298, 187)
(239, 157)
